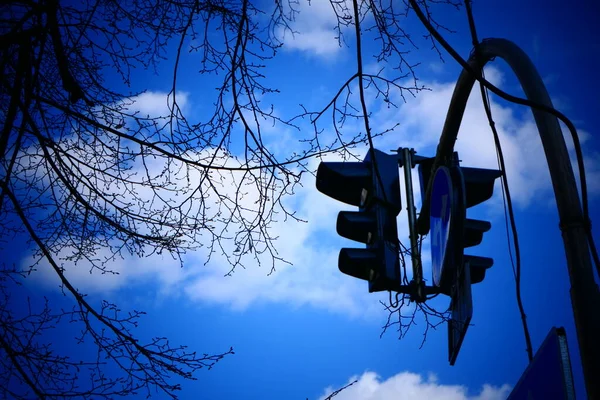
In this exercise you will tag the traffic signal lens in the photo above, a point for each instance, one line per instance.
(364, 195)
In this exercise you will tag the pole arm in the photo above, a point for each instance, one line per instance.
(585, 297)
(418, 294)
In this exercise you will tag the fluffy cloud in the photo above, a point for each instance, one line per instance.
(314, 29)
(124, 271)
(158, 103)
(407, 385)
(313, 279)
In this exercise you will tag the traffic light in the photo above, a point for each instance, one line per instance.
(478, 187)
(373, 186)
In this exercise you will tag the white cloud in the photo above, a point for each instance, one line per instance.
(314, 29)
(124, 271)
(312, 280)
(155, 103)
(408, 385)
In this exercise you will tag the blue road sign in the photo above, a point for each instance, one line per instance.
(462, 311)
(549, 375)
(440, 220)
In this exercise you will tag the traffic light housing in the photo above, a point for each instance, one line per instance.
(373, 186)
(478, 187)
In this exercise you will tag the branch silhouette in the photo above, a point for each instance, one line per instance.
(88, 176)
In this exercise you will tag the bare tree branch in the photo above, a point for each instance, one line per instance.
(88, 178)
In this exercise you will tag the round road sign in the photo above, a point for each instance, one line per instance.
(440, 222)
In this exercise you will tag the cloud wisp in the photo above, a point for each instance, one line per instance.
(408, 385)
(314, 29)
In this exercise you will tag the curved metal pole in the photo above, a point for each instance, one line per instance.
(585, 297)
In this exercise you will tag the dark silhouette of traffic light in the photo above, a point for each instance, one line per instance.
(373, 186)
(478, 187)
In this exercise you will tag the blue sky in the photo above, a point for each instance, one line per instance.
(307, 329)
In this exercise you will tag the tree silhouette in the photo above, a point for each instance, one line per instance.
(88, 178)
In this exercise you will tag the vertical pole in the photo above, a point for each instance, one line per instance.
(417, 268)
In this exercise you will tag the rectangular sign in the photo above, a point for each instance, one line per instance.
(549, 375)
(462, 311)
